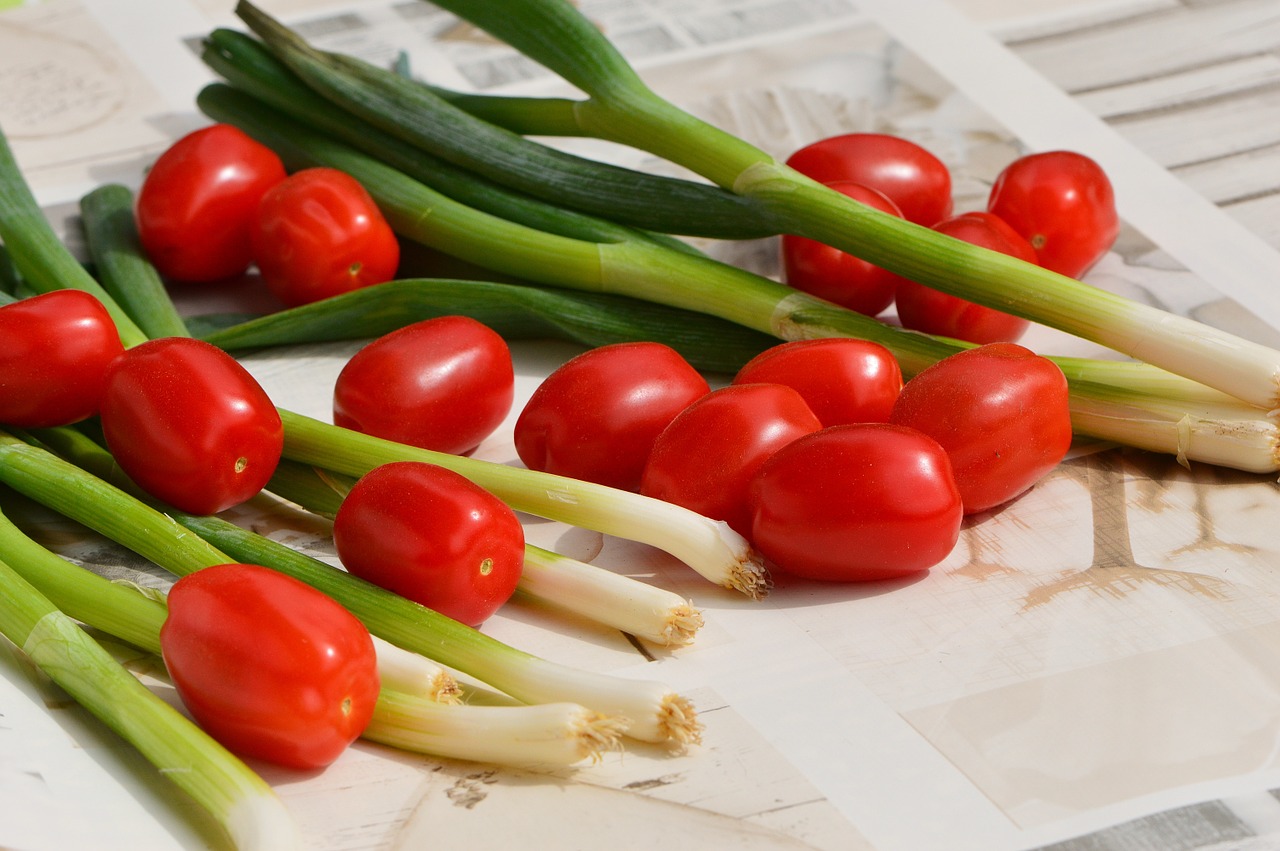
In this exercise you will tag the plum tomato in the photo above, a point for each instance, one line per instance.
(443, 384)
(269, 666)
(596, 416)
(856, 503)
(196, 206)
(317, 234)
(830, 273)
(706, 457)
(841, 379)
(432, 536)
(1062, 202)
(55, 351)
(1000, 411)
(923, 309)
(917, 182)
(190, 425)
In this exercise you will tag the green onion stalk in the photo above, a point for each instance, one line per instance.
(406, 715)
(621, 108)
(241, 802)
(700, 284)
(652, 711)
(563, 583)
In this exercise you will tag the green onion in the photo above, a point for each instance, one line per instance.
(238, 799)
(621, 108)
(122, 266)
(633, 607)
(36, 252)
(515, 311)
(655, 712)
(545, 734)
(401, 107)
(700, 284)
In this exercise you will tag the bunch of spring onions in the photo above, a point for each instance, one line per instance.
(1206, 399)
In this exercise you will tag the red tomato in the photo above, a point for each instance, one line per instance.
(269, 666)
(1063, 204)
(913, 178)
(842, 380)
(856, 503)
(923, 309)
(428, 534)
(1001, 412)
(443, 384)
(706, 457)
(596, 417)
(55, 350)
(190, 425)
(197, 203)
(318, 234)
(832, 274)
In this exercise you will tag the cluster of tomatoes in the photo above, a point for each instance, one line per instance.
(817, 452)
(217, 201)
(1055, 209)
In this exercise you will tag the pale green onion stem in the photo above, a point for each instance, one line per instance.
(542, 734)
(238, 799)
(626, 604)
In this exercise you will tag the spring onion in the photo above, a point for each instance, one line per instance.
(654, 711)
(621, 108)
(241, 802)
(703, 285)
(121, 265)
(634, 198)
(515, 311)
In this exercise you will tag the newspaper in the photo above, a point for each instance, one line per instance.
(1093, 667)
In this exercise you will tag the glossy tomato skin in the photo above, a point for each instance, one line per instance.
(1062, 202)
(269, 666)
(442, 384)
(197, 203)
(55, 351)
(597, 416)
(705, 458)
(190, 425)
(428, 534)
(829, 273)
(1000, 411)
(842, 380)
(856, 503)
(923, 309)
(318, 234)
(918, 183)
